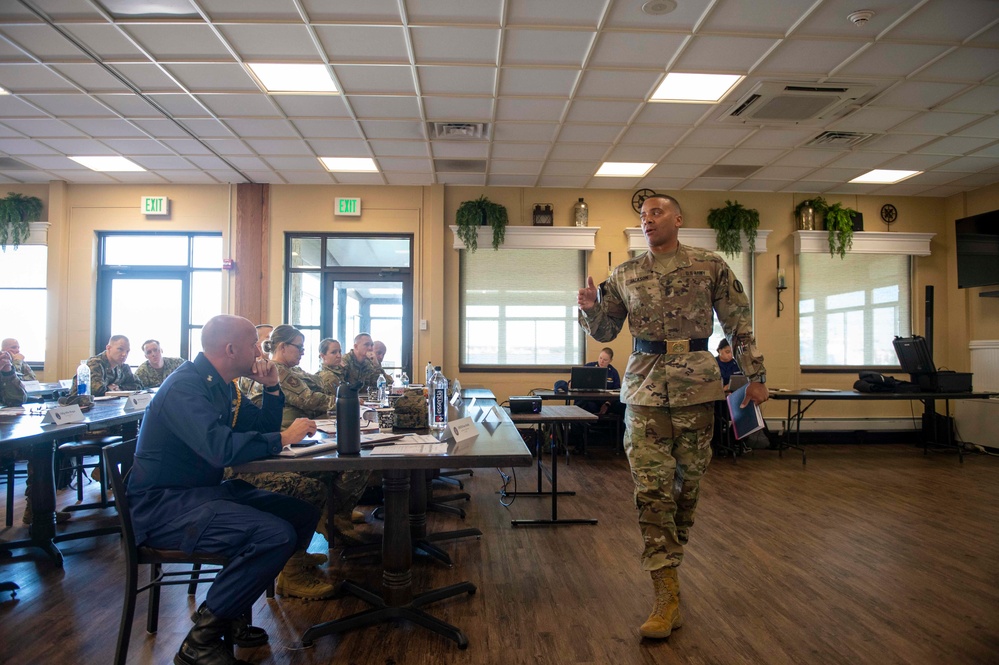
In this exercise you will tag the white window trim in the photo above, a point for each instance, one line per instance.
(703, 238)
(867, 242)
(536, 237)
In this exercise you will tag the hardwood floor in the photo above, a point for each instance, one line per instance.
(869, 554)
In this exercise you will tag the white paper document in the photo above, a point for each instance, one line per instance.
(308, 447)
(412, 449)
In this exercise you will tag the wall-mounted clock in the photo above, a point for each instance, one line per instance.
(639, 198)
(888, 213)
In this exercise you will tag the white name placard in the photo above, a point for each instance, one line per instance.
(462, 430)
(494, 415)
(63, 415)
(138, 401)
(32, 386)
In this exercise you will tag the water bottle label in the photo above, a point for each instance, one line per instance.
(440, 405)
(81, 389)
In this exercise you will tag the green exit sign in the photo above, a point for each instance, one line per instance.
(348, 207)
(155, 205)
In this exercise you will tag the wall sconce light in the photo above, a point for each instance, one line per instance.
(781, 286)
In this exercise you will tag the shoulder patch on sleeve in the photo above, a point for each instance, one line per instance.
(737, 285)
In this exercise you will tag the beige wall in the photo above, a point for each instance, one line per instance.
(76, 212)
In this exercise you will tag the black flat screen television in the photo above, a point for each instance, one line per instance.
(977, 243)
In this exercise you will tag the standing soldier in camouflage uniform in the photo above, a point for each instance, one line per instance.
(671, 382)
(156, 368)
(13, 347)
(303, 397)
(108, 370)
(330, 375)
(360, 365)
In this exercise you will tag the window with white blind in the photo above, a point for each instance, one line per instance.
(850, 309)
(23, 273)
(518, 309)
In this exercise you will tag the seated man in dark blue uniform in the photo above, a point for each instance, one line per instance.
(198, 423)
(726, 362)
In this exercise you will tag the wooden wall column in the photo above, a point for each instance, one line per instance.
(251, 252)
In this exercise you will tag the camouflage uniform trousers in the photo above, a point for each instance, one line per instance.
(313, 487)
(669, 450)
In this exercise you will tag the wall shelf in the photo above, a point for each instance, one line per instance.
(703, 238)
(867, 242)
(536, 237)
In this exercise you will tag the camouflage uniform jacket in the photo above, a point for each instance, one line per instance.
(329, 378)
(24, 372)
(674, 305)
(152, 377)
(11, 390)
(366, 371)
(303, 396)
(103, 375)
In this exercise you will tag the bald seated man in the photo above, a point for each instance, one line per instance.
(13, 347)
(198, 423)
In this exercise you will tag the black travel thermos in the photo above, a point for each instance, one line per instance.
(348, 419)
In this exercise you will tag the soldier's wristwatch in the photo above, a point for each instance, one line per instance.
(273, 390)
(760, 378)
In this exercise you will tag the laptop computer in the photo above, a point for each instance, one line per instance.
(587, 379)
(737, 381)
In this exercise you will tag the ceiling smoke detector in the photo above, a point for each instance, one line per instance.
(861, 17)
(658, 7)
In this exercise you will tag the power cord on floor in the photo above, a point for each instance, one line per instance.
(507, 477)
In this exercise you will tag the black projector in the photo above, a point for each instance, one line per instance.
(525, 404)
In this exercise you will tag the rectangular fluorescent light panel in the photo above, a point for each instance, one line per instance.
(710, 88)
(108, 163)
(293, 78)
(349, 164)
(884, 177)
(619, 169)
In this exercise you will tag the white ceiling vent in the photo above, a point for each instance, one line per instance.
(838, 139)
(460, 165)
(781, 102)
(462, 131)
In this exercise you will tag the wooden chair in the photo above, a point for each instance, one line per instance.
(78, 451)
(119, 457)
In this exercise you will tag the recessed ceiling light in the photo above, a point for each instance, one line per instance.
(350, 164)
(624, 168)
(108, 164)
(884, 177)
(293, 78)
(702, 88)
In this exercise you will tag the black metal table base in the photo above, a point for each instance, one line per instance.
(382, 612)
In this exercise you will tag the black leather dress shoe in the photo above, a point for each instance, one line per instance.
(243, 634)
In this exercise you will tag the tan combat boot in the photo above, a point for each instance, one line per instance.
(666, 611)
(298, 579)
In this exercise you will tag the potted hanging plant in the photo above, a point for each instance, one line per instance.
(730, 223)
(17, 211)
(839, 226)
(808, 210)
(480, 212)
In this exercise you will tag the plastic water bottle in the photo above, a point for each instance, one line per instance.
(83, 378)
(382, 392)
(438, 400)
(404, 380)
(430, 373)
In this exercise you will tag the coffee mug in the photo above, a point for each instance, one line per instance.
(386, 419)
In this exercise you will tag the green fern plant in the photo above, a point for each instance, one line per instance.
(480, 212)
(839, 226)
(17, 211)
(730, 223)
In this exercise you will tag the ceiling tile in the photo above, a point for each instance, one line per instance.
(937, 123)
(227, 146)
(25, 78)
(16, 146)
(295, 164)
(462, 179)
(43, 42)
(872, 119)
(442, 45)
(663, 185)
(90, 78)
(181, 105)
(393, 129)
(106, 127)
(311, 106)
(587, 151)
(537, 81)
(969, 164)
(11, 106)
(466, 109)
(518, 166)
(891, 59)
(530, 109)
(261, 128)
(446, 80)
(384, 107)
(524, 131)
(409, 178)
(617, 84)
(351, 10)
(947, 21)
(582, 133)
(129, 105)
(510, 150)
(728, 54)
(574, 167)
(551, 47)
(954, 145)
(655, 113)
(128, 147)
(647, 50)
(157, 162)
(864, 160)
(178, 41)
(637, 153)
(984, 99)
(277, 147)
(70, 105)
(270, 42)
(743, 155)
(713, 184)
(916, 162)
(41, 128)
(504, 180)
(716, 136)
(964, 64)
(364, 43)
(761, 185)
(918, 95)
(212, 77)
(654, 134)
(147, 77)
(460, 149)
(685, 155)
(584, 110)
(686, 15)
(400, 148)
(257, 105)
(808, 157)
(668, 169)
(403, 164)
(988, 128)
(584, 13)
(779, 173)
(447, 11)
(375, 79)
(104, 39)
(338, 147)
(783, 137)
(207, 128)
(895, 143)
(796, 57)
(259, 10)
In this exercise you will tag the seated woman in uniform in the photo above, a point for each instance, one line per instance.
(330, 375)
(156, 368)
(304, 398)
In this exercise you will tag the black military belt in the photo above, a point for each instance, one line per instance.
(671, 346)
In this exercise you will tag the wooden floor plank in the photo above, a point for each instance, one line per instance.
(872, 554)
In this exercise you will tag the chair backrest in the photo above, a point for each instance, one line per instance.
(118, 458)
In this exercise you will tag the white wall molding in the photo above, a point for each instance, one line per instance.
(703, 238)
(38, 234)
(866, 242)
(536, 237)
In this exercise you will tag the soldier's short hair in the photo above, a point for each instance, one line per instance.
(116, 338)
(723, 344)
(149, 341)
(324, 345)
(669, 199)
(358, 336)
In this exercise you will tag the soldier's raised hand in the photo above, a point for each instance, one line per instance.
(587, 296)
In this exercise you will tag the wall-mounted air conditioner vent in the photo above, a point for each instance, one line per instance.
(458, 130)
(838, 139)
(460, 165)
(779, 102)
